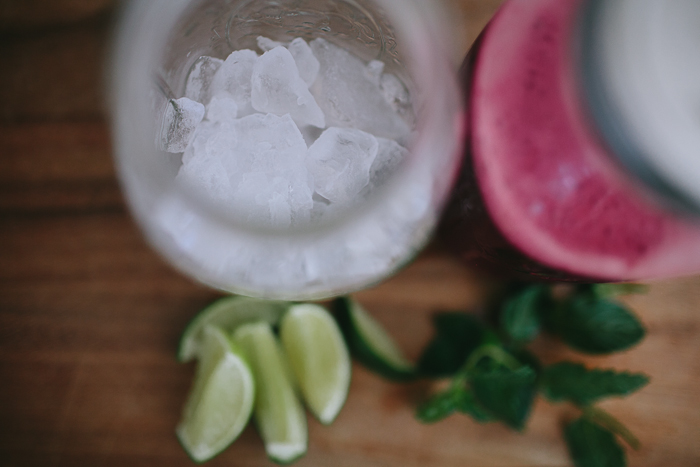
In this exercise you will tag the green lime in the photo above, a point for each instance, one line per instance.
(370, 343)
(278, 412)
(221, 400)
(319, 358)
(227, 313)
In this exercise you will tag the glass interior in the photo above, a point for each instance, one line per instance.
(216, 28)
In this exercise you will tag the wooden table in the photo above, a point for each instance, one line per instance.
(90, 316)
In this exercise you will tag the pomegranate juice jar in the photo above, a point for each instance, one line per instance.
(583, 155)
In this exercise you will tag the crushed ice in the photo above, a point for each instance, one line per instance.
(278, 88)
(292, 135)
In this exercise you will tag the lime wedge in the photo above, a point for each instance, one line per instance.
(278, 411)
(369, 343)
(319, 358)
(227, 313)
(221, 401)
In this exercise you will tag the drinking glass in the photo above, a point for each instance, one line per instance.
(158, 41)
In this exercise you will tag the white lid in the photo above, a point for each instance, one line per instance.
(648, 55)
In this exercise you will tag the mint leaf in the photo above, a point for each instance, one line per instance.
(505, 393)
(438, 407)
(597, 326)
(591, 445)
(527, 358)
(457, 336)
(467, 404)
(520, 313)
(614, 290)
(573, 382)
(450, 401)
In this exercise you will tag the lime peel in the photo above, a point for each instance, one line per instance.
(370, 343)
(227, 313)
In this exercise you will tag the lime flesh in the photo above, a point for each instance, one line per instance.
(278, 412)
(319, 358)
(221, 401)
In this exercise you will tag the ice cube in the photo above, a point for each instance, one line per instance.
(394, 91)
(340, 162)
(389, 157)
(277, 88)
(222, 108)
(266, 44)
(254, 166)
(261, 198)
(306, 62)
(179, 122)
(321, 207)
(204, 167)
(303, 56)
(273, 151)
(234, 77)
(200, 78)
(374, 71)
(310, 133)
(349, 98)
(223, 145)
(280, 209)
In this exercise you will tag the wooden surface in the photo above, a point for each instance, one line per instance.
(90, 316)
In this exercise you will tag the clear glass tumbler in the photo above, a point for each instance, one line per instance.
(157, 43)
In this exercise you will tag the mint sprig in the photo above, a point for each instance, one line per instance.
(456, 399)
(493, 377)
(440, 405)
(613, 425)
(506, 393)
(596, 325)
(574, 382)
(457, 335)
(591, 445)
(521, 313)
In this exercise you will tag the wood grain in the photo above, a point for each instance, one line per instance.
(90, 316)
(30, 15)
(54, 74)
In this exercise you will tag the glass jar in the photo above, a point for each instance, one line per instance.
(582, 159)
(159, 41)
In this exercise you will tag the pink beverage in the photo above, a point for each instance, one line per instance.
(583, 153)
